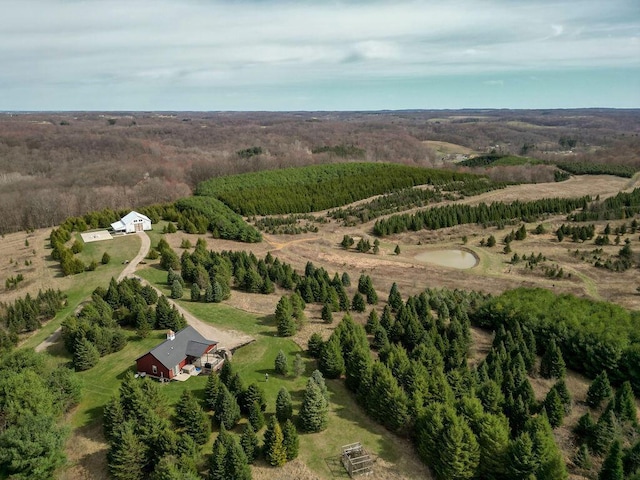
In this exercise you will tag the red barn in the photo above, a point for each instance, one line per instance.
(179, 349)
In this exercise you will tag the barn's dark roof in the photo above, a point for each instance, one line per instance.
(187, 342)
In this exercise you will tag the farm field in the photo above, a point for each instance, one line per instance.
(252, 314)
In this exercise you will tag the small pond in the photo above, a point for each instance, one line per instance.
(449, 258)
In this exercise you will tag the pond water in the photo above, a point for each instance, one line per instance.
(448, 258)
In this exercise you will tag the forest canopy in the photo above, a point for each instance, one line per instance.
(318, 187)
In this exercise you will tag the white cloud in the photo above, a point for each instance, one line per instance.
(197, 43)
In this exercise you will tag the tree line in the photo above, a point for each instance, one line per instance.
(494, 213)
(621, 206)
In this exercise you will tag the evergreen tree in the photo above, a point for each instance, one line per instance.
(397, 250)
(631, 459)
(112, 417)
(274, 450)
(493, 441)
(252, 394)
(331, 362)
(282, 364)
(612, 466)
(550, 462)
(563, 392)
(192, 418)
(195, 292)
(236, 465)
(127, 456)
(284, 318)
(227, 411)
(217, 467)
(298, 365)
(284, 407)
(317, 377)
(326, 314)
(33, 446)
(522, 459)
(380, 339)
(291, 441)
(624, 405)
(85, 355)
(554, 408)
(211, 391)
(314, 412)
(599, 390)
(459, 453)
(583, 458)
(217, 294)
(256, 418)
(226, 372)
(346, 280)
(315, 345)
(358, 304)
(249, 442)
(176, 289)
(395, 299)
(605, 432)
(552, 364)
(585, 428)
(373, 322)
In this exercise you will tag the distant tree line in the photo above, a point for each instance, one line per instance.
(483, 214)
(621, 206)
(590, 168)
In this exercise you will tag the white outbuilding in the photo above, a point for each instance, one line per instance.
(132, 222)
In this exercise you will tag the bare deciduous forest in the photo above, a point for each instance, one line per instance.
(56, 165)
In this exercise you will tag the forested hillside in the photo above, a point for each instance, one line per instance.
(56, 165)
(315, 188)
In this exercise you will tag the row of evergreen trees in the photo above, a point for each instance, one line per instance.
(483, 214)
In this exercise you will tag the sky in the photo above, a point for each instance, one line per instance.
(249, 55)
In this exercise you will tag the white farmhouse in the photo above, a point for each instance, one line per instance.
(132, 222)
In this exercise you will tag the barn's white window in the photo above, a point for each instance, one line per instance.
(154, 369)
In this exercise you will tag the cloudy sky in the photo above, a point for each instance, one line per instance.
(318, 54)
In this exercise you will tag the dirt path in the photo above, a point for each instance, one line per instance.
(145, 245)
(227, 339)
(281, 245)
